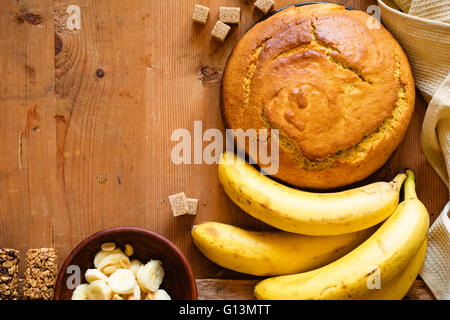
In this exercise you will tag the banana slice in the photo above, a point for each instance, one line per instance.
(129, 250)
(102, 254)
(94, 274)
(122, 281)
(108, 246)
(150, 276)
(136, 295)
(161, 294)
(99, 290)
(80, 292)
(124, 263)
(109, 270)
(99, 257)
(134, 265)
(117, 297)
(149, 296)
(118, 260)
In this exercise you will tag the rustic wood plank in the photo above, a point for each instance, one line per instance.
(419, 291)
(101, 121)
(29, 197)
(222, 289)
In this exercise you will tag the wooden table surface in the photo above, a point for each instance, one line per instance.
(86, 118)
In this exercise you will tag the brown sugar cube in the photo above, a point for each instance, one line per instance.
(220, 31)
(200, 14)
(230, 14)
(193, 206)
(179, 204)
(264, 5)
(40, 274)
(9, 274)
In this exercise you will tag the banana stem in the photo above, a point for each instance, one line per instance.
(410, 186)
(399, 179)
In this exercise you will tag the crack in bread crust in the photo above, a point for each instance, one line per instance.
(251, 70)
(345, 155)
(315, 44)
(289, 144)
(334, 58)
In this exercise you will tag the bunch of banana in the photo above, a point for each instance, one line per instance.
(334, 249)
(394, 251)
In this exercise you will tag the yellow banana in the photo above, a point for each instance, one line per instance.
(387, 252)
(271, 253)
(317, 214)
(398, 287)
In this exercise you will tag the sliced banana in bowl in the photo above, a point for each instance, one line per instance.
(135, 263)
(115, 277)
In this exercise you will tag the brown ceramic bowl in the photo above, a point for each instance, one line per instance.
(178, 281)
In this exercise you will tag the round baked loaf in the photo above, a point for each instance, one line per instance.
(334, 82)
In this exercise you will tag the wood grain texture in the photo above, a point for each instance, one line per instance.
(28, 203)
(83, 149)
(101, 119)
(222, 289)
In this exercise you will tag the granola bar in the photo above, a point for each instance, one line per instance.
(40, 274)
(9, 274)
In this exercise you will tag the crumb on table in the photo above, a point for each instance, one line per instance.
(40, 274)
(9, 274)
(220, 31)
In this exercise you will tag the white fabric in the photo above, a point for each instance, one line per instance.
(436, 131)
(436, 10)
(404, 5)
(423, 30)
(436, 267)
(427, 44)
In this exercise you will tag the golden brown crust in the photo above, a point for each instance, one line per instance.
(340, 91)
